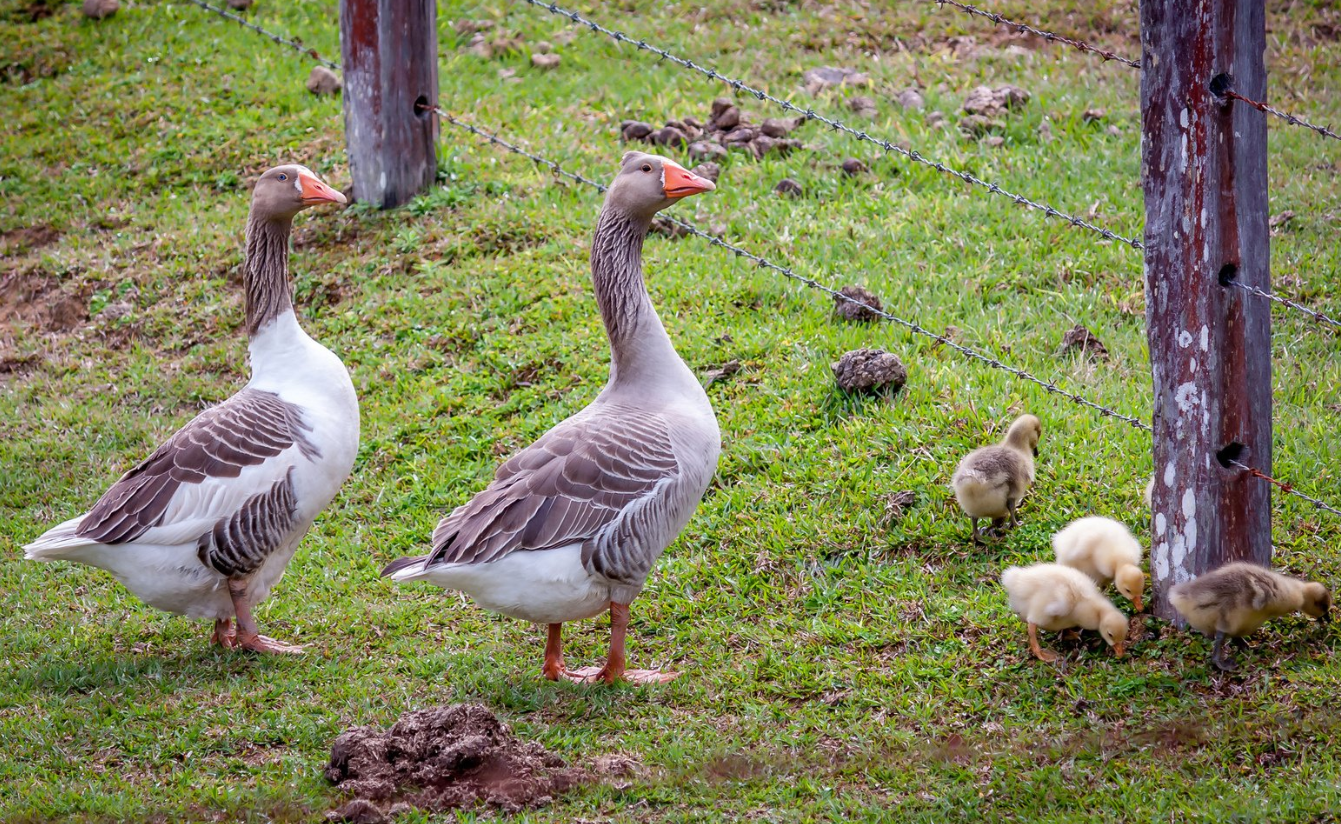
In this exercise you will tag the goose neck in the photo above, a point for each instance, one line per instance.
(639, 345)
(265, 276)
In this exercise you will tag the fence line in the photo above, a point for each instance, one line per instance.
(1287, 117)
(1285, 487)
(836, 125)
(1262, 293)
(1051, 37)
(293, 43)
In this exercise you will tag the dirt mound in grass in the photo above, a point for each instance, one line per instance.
(444, 758)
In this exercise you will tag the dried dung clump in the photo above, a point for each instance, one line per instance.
(789, 188)
(870, 370)
(1082, 339)
(985, 107)
(847, 310)
(727, 128)
(896, 504)
(828, 77)
(444, 758)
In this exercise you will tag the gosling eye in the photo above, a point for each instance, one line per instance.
(283, 176)
(647, 167)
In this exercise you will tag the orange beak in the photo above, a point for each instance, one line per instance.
(1137, 603)
(314, 192)
(1119, 650)
(680, 182)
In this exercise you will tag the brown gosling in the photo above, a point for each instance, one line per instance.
(1056, 597)
(1106, 551)
(1237, 598)
(991, 481)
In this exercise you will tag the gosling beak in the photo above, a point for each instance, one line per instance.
(1036, 452)
(314, 191)
(1326, 617)
(1136, 602)
(1119, 650)
(680, 182)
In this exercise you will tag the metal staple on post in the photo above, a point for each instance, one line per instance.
(294, 43)
(836, 125)
(1051, 37)
(1049, 386)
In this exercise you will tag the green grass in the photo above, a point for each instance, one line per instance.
(837, 667)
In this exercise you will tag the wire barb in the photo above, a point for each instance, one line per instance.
(786, 271)
(1051, 37)
(1287, 117)
(1288, 489)
(294, 44)
(1262, 293)
(838, 125)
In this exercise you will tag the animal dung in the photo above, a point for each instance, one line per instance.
(239, 5)
(853, 167)
(1083, 340)
(545, 61)
(711, 171)
(870, 371)
(828, 77)
(862, 106)
(100, 9)
(440, 759)
(847, 310)
(910, 99)
(726, 129)
(788, 188)
(990, 102)
(322, 81)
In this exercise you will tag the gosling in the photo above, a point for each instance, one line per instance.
(1150, 493)
(1237, 598)
(1106, 551)
(991, 481)
(1057, 597)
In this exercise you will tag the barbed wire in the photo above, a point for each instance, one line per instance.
(293, 43)
(1285, 487)
(1050, 386)
(1287, 117)
(836, 125)
(1051, 37)
(1262, 293)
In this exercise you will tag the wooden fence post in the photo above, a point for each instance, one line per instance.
(390, 56)
(1204, 169)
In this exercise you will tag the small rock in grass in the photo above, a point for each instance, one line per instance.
(788, 187)
(847, 310)
(322, 81)
(896, 504)
(910, 99)
(100, 9)
(709, 170)
(542, 47)
(545, 61)
(1092, 115)
(862, 106)
(853, 167)
(635, 130)
(1082, 339)
(871, 371)
(706, 150)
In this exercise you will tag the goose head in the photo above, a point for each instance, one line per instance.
(646, 184)
(284, 191)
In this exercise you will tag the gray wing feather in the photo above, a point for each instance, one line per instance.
(245, 430)
(570, 486)
(240, 544)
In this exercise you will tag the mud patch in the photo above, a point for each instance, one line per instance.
(444, 758)
(27, 239)
(36, 299)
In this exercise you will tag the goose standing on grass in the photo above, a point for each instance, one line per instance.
(572, 525)
(991, 481)
(206, 525)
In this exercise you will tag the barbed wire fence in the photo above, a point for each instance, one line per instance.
(740, 86)
(1051, 37)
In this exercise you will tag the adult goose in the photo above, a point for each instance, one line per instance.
(572, 524)
(205, 526)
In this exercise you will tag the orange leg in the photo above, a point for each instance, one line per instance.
(1040, 653)
(224, 634)
(248, 637)
(614, 663)
(553, 668)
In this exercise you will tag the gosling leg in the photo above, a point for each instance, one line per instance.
(1222, 660)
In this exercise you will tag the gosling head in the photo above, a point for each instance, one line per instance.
(646, 184)
(1317, 602)
(1113, 628)
(1025, 433)
(1130, 581)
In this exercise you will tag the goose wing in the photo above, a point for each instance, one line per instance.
(579, 483)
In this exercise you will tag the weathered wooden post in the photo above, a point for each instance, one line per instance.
(1204, 166)
(390, 56)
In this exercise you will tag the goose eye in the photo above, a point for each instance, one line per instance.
(647, 167)
(283, 176)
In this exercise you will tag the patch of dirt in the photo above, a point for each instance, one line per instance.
(896, 504)
(33, 298)
(444, 758)
(1080, 339)
(31, 238)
